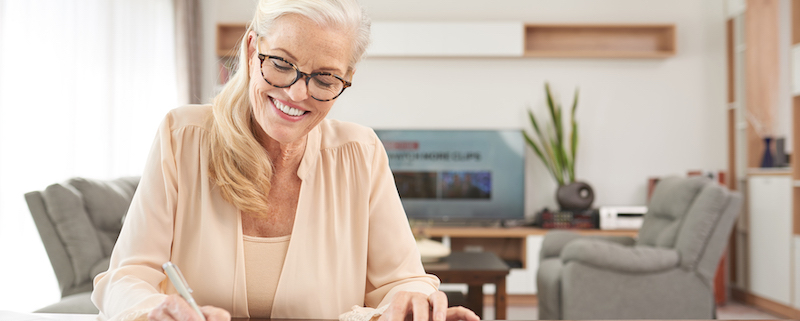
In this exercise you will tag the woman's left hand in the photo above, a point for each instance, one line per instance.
(415, 306)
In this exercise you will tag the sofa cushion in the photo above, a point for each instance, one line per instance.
(671, 200)
(106, 202)
(99, 267)
(701, 220)
(66, 210)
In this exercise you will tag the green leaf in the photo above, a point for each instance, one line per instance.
(535, 124)
(574, 149)
(556, 143)
(539, 153)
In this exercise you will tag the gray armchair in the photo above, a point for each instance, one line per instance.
(79, 222)
(666, 273)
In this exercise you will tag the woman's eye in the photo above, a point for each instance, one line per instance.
(281, 66)
(323, 83)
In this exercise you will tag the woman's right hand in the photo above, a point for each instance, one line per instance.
(174, 307)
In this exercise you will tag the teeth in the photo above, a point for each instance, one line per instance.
(286, 109)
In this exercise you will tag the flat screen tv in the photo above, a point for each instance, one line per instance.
(458, 176)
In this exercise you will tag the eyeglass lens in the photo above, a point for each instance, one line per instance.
(280, 73)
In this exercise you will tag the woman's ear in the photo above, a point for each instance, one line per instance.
(252, 43)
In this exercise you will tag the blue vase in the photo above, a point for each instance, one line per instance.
(767, 160)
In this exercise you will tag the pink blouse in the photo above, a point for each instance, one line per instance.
(350, 245)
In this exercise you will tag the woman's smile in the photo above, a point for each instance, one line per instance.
(286, 109)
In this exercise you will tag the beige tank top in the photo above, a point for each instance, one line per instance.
(263, 261)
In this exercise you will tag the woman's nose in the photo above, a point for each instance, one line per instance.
(298, 91)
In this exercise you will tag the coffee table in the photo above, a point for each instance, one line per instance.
(475, 269)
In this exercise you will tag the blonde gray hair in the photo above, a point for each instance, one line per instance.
(238, 163)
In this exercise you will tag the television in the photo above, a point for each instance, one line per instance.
(458, 176)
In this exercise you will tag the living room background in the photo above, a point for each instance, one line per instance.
(639, 118)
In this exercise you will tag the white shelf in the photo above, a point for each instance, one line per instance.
(773, 171)
(446, 39)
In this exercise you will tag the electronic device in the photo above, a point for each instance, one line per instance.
(622, 217)
(458, 176)
(567, 219)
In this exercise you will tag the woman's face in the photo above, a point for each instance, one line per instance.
(286, 115)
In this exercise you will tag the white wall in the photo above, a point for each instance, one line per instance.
(638, 117)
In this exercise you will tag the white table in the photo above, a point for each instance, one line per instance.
(19, 316)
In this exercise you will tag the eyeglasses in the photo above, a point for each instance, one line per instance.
(322, 86)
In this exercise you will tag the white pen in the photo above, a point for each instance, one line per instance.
(176, 277)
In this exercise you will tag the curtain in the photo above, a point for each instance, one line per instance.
(83, 87)
(188, 45)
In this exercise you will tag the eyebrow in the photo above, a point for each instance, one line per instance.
(332, 70)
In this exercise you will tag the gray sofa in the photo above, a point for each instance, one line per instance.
(666, 273)
(79, 221)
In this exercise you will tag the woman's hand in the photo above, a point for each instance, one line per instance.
(415, 306)
(174, 307)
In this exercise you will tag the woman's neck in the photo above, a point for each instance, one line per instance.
(284, 156)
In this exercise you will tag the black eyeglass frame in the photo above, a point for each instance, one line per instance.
(301, 74)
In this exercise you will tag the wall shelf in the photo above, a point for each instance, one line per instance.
(500, 39)
(600, 41)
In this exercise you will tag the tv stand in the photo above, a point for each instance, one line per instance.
(509, 243)
(463, 223)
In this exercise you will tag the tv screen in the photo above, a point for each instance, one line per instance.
(458, 175)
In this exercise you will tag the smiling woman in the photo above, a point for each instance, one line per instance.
(82, 85)
(270, 209)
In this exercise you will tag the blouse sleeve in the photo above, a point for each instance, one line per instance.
(132, 286)
(393, 262)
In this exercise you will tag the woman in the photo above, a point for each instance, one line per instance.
(270, 209)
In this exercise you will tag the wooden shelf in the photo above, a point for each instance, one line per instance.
(796, 209)
(508, 243)
(600, 41)
(769, 171)
(228, 37)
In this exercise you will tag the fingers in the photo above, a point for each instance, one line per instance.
(397, 308)
(421, 308)
(175, 308)
(438, 301)
(407, 306)
(215, 313)
(461, 313)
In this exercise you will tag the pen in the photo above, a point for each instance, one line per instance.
(176, 277)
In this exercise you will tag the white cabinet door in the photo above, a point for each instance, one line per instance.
(446, 39)
(770, 210)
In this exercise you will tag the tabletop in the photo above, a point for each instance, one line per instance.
(468, 261)
(18, 316)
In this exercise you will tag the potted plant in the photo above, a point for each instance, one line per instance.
(557, 147)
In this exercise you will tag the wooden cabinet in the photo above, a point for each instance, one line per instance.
(768, 236)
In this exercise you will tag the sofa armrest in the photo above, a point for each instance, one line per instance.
(614, 256)
(555, 240)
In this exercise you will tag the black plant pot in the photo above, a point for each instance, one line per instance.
(575, 196)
